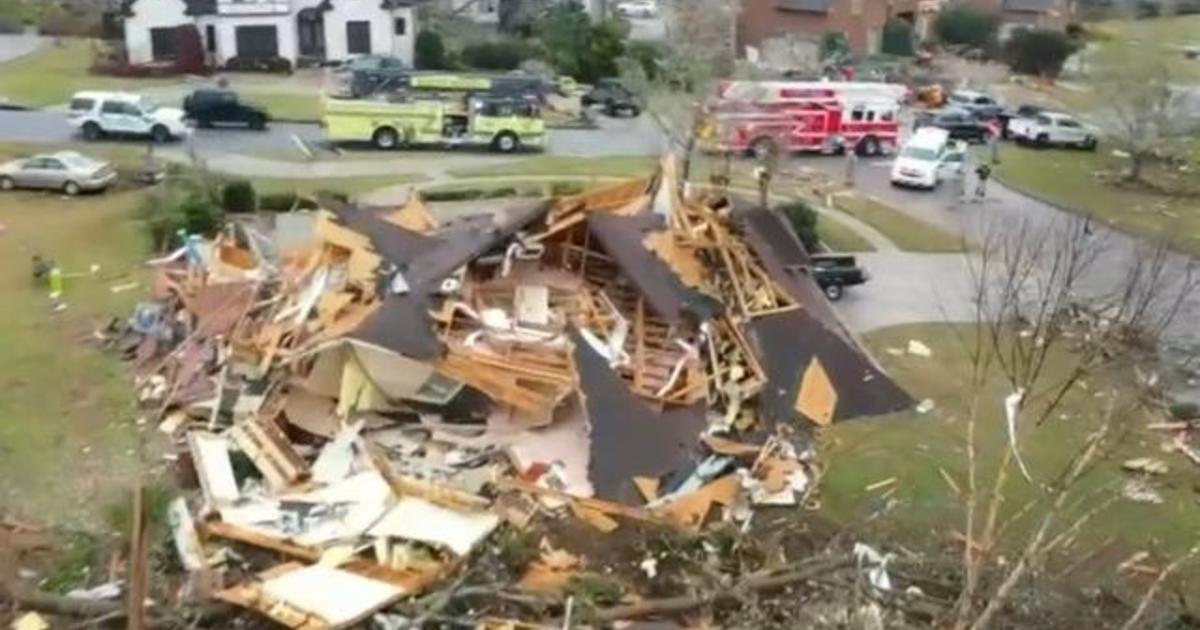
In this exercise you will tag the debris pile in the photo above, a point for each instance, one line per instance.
(369, 393)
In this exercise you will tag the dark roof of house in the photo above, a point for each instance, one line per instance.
(1032, 6)
(402, 322)
(787, 342)
(665, 441)
(623, 237)
(807, 6)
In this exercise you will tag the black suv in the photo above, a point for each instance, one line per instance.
(961, 124)
(615, 97)
(209, 107)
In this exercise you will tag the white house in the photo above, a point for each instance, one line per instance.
(297, 30)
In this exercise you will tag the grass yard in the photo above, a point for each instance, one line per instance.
(839, 237)
(68, 439)
(51, 75)
(908, 233)
(618, 166)
(350, 186)
(1068, 178)
(912, 447)
(1162, 33)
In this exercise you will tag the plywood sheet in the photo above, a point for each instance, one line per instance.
(817, 398)
(337, 597)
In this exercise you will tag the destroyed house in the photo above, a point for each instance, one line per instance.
(405, 381)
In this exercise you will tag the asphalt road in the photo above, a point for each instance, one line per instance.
(624, 136)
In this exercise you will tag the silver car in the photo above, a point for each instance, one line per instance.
(68, 171)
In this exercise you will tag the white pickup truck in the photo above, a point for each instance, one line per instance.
(1052, 129)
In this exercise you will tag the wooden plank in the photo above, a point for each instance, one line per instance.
(138, 547)
(271, 452)
(229, 531)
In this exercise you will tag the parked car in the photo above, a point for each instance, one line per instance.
(97, 114)
(209, 107)
(68, 171)
(1023, 111)
(1054, 129)
(835, 272)
(928, 157)
(978, 103)
(637, 8)
(616, 99)
(961, 124)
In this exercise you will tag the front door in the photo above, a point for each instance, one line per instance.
(358, 37)
(164, 43)
(120, 117)
(32, 174)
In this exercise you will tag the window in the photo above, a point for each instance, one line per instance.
(210, 38)
(164, 43)
(34, 164)
(887, 116)
(82, 104)
(358, 37)
(1067, 122)
(856, 7)
(114, 107)
(870, 116)
(257, 41)
(1044, 121)
(856, 115)
(400, 26)
(51, 164)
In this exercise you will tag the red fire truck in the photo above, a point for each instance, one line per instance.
(760, 117)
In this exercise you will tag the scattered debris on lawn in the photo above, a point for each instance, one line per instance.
(364, 396)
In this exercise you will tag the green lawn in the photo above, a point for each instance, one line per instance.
(911, 447)
(907, 232)
(1161, 33)
(128, 157)
(351, 186)
(51, 75)
(286, 106)
(68, 441)
(839, 237)
(618, 166)
(1068, 178)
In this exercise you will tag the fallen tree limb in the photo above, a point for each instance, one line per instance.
(63, 606)
(754, 583)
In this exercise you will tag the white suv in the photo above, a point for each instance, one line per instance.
(96, 114)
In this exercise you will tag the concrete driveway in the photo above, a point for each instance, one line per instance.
(907, 289)
(14, 46)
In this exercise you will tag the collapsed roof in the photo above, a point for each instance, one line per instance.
(645, 352)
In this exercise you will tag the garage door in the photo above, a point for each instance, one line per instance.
(257, 41)
(358, 38)
(164, 43)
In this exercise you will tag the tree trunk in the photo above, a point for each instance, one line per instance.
(1137, 160)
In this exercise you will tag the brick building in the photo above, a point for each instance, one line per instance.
(763, 20)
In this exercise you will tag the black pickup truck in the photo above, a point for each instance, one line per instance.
(835, 272)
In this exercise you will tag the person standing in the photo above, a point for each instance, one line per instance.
(982, 173)
(850, 166)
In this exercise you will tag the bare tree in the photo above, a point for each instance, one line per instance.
(1142, 110)
(1032, 303)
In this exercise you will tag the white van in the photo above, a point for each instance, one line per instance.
(927, 158)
